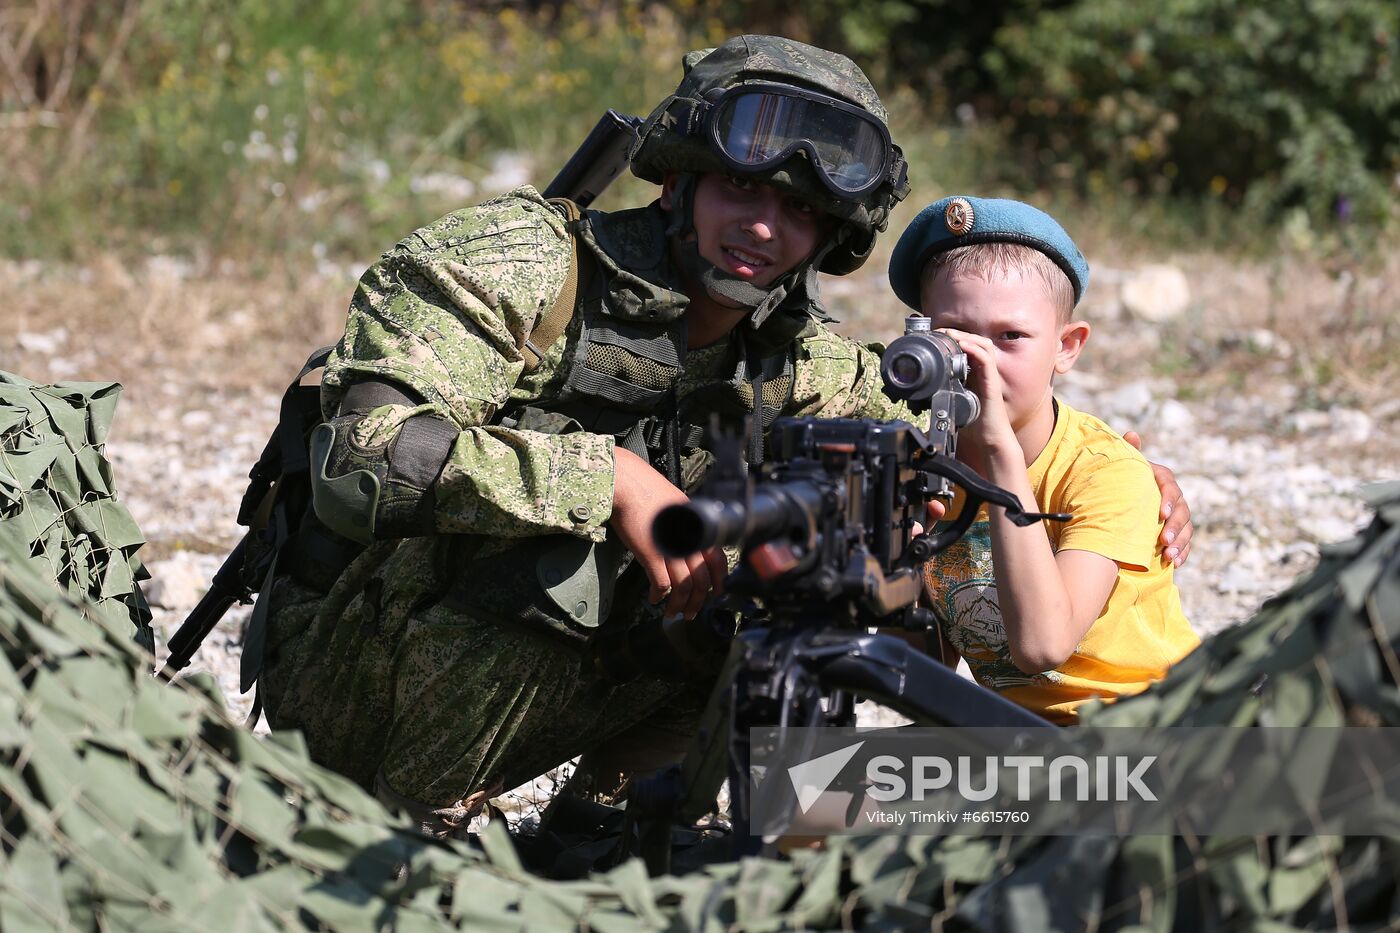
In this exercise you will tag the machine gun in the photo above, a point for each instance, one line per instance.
(828, 549)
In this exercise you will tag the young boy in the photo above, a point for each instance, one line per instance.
(1054, 614)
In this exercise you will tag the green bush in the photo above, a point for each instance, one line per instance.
(1294, 103)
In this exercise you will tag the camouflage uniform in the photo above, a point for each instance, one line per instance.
(425, 659)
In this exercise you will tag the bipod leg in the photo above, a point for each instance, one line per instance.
(646, 827)
(779, 689)
(685, 793)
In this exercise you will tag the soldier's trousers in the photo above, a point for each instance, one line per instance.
(383, 678)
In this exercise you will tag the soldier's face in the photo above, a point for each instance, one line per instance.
(753, 231)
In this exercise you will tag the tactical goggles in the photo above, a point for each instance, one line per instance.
(755, 127)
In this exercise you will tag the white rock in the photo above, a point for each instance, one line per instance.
(21, 270)
(1156, 293)
(180, 581)
(1237, 579)
(1350, 426)
(454, 187)
(1386, 410)
(47, 342)
(1335, 425)
(1307, 422)
(1129, 402)
(1329, 529)
(509, 170)
(1174, 418)
(1263, 340)
(169, 269)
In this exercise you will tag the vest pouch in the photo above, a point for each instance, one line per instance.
(558, 584)
(579, 577)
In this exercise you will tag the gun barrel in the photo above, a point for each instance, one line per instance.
(775, 510)
(599, 159)
(225, 590)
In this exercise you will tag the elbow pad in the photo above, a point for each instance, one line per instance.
(383, 492)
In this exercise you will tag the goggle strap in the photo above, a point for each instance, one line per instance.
(689, 116)
(898, 175)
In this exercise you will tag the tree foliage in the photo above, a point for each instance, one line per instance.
(1275, 105)
(1288, 103)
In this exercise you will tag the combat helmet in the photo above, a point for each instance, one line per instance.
(790, 115)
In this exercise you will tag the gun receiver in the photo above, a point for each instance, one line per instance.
(829, 521)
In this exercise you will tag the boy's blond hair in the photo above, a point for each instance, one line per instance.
(984, 260)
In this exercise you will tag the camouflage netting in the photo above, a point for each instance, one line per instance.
(1322, 653)
(128, 804)
(125, 803)
(57, 500)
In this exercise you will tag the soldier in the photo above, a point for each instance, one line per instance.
(514, 399)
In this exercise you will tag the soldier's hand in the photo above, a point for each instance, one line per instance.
(639, 493)
(1176, 533)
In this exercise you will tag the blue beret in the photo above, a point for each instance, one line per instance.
(962, 220)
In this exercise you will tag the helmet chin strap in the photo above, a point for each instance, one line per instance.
(722, 285)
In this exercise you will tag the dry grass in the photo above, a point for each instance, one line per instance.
(228, 331)
(1341, 324)
(163, 336)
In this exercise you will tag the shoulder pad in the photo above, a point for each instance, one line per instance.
(521, 209)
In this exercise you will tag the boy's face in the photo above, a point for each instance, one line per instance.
(753, 231)
(1016, 313)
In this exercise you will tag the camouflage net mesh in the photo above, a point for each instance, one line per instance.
(126, 803)
(57, 499)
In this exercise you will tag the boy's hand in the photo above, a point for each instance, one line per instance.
(992, 429)
(1177, 532)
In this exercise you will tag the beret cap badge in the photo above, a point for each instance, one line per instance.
(959, 216)
(957, 221)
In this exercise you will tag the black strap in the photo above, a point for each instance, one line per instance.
(294, 417)
(673, 447)
(280, 456)
(300, 410)
(756, 440)
(370, 394)
(421, 450)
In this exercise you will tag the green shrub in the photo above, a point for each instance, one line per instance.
(1294, 103)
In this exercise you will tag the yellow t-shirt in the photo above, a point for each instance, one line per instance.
(1089, 471)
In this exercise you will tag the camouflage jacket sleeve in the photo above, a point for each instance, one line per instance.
(839, 378)
(445, 314)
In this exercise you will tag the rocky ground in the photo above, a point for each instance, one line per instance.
(1250, 391)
